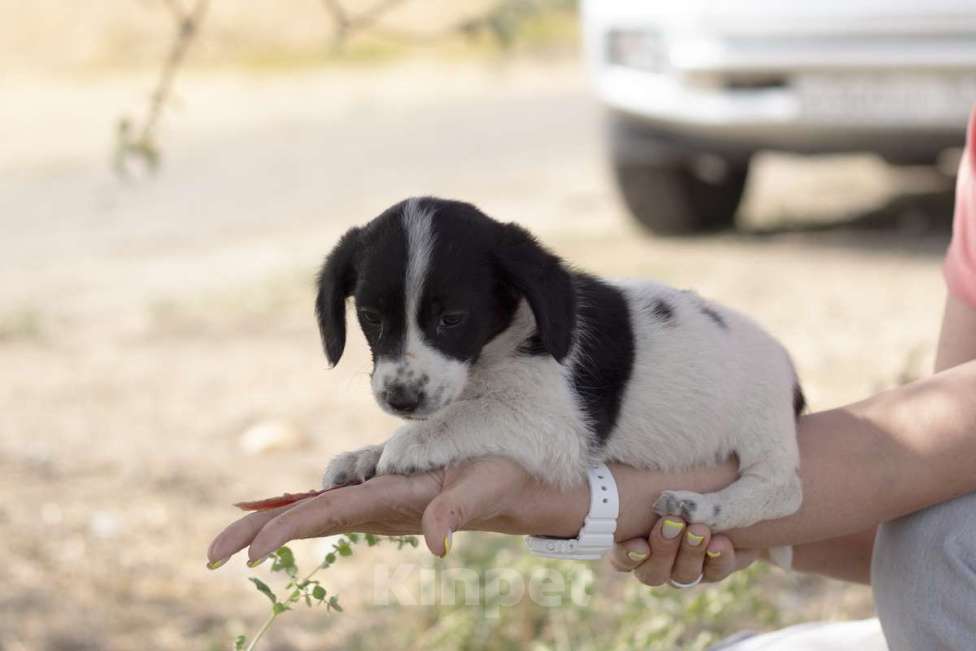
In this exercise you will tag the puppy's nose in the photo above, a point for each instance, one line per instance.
(402, 399)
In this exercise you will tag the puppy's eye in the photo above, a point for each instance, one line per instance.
(451, 319)
(372, 317)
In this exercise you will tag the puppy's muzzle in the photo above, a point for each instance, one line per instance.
(403, 399)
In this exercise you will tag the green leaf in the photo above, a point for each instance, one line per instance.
(279, 608)
(334, 603)
(239, 643)
(318, 592)
(343, 548)
(285, 556)
(263, 588)
(353, 537)
(284, 560)
(330, 558)
(372, 540)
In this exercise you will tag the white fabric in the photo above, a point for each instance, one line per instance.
(861, 635)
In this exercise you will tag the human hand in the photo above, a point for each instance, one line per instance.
(677, 552)
(491, 494)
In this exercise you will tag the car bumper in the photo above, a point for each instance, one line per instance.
(797, 85)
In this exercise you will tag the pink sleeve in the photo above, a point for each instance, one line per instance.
(960, 262)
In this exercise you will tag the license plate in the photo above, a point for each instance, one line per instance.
(935, 99)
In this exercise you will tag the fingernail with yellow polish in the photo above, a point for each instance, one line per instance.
(257, 561)
(694, 539)
(672, 528)
(637, 557)
(447, 543)
(712, 554)
(213, 565)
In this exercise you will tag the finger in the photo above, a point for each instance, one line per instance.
(628, 555)
(665, 539)
(330, 513)
(689, 565)
(239, 535)
(720, 559)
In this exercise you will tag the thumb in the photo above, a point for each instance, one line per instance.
(465, 498)
(447, 513)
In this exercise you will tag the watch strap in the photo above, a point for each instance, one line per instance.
(596, 536)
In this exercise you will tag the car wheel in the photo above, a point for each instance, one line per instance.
(676, 198)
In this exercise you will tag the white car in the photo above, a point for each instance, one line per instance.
(694, 88)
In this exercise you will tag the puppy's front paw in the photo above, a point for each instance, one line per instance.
(405, 457)
(693, 507)
(349, 467)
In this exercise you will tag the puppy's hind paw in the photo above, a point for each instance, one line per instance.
(686, 504)
(351, 467)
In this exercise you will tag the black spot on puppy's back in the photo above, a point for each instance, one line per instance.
(605, 355)
(662, 310)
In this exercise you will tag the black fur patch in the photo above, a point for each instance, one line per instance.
(382, 267)
(663, 310)
(606, 353)
(714, 316)
(461, 275)
(799, 401)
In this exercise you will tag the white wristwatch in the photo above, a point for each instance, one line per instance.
(596, 537)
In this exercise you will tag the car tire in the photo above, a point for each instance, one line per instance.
(675, 198)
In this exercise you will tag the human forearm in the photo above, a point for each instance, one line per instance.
(847, 557)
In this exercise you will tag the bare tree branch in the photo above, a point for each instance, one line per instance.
(137, 142)
(345, 23)
(142, 145)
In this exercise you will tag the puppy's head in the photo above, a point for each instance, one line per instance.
(433, 282)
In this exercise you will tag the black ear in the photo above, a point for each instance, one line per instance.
(336, 281)
(545, 283)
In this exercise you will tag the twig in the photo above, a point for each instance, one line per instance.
(345, 23)
(261, 631)
(186, 30)
(143, 145)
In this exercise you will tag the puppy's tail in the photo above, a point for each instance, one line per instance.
(799, 400)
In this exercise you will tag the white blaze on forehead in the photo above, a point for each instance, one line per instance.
(420, 246)
(439, 377)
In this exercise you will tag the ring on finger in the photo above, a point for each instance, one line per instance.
(684, 586)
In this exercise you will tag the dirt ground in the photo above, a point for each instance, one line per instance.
(146, 324)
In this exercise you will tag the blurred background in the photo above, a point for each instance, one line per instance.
(172, 173)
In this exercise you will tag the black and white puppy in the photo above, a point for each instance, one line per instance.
(489, 345)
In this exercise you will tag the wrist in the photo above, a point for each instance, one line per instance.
(546, 510)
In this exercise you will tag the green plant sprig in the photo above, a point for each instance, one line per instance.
(308, 589)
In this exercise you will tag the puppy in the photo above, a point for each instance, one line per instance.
(488, 344)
